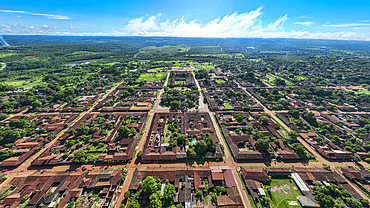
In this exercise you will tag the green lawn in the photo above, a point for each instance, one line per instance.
(360, 91)
(271, 80)
(300, 77)
(167, 134)
(228, 105)
(24, 83)
(149, 77)
(282, 191)
(6, 54)
(180, 82)
(112, 63)
(219, 81)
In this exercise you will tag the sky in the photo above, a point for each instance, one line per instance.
(311, 19)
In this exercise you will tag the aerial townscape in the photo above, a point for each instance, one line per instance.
(171, 122)
(184, 104)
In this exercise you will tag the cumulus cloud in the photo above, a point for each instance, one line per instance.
(49, 16)
(22, 28)
(348, 25)
(303, 23)
(234, 25)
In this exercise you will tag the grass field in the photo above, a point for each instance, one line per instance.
(111, 64)
(271, 80)
(23, 83)
(6, 54)
(360, 91)
(282, 191)
(180, 82)
(228, 105)
(219, 81)
(149, 77)
(300, 77)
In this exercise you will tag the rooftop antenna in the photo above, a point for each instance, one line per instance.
(3, 42)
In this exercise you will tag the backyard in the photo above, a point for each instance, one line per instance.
(282, 192)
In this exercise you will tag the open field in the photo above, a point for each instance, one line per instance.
(149, 77)
(24, 83)
(219, 81)
(359, 91)
(271, 80)
(282, 191)
(6, 54)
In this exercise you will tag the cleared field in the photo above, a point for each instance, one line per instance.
(149, 77)
(282, 192)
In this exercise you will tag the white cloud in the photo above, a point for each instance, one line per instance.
(22, 28)
(243, 25)
(49, 16)
(309, 16)
(304, 23)
(71, 27)
(234, 25)
(349, 25)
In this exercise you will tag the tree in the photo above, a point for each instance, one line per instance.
(155, 200)
(191, 153)
(83, 129)
(298, 148)
(179, 206)
(169, 191)
(318, 139)
(133, 204)
(326, 201)
(130, 90)
(263, 144)
(150, 185)
(211, 144)
(265, 201)
(294, 113)
(356, 158)
(36, 104)
(127, 194)
(123, 131)
(200, 148)
(175, 104)
(139, 154)
(264, 120)
(279, 81)
(246, 109)
(133, 131)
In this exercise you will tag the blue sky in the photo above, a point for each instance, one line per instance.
(314, 19)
